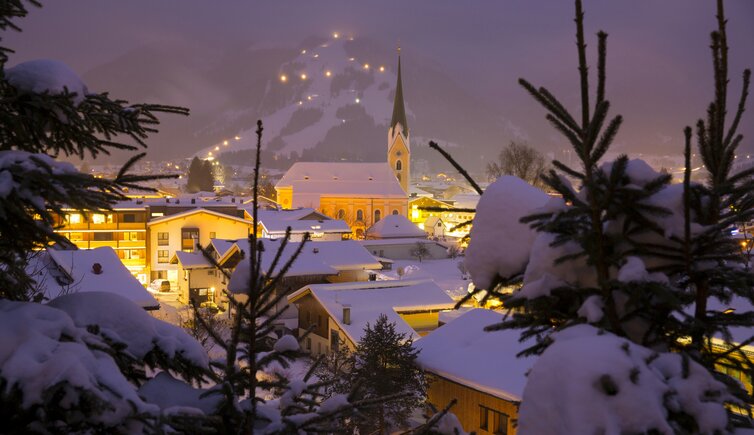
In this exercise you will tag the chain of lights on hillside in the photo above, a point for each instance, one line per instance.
(302, 76)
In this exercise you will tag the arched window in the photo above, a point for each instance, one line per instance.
(359, 215)
(341, 214)
(395, 212)
(377, 215)
(398, 165)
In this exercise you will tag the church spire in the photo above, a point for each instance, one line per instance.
(399, 111)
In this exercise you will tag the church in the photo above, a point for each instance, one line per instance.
(359, 193)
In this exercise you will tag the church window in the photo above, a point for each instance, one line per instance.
(341, 214)
(377, 215)
(359, 215)
(398, 165)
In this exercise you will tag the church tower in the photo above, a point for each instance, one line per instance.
(398, 149)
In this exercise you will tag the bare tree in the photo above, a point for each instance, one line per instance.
(520, 160)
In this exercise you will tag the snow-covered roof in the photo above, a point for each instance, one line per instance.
(317, 258)
(287, 214)
(341, 179)
(394, 226)
(463, 352)
(302, 226)
(58, 272)
(369, 299)
(190, 260)
(397, 241)
(465, 200)
(193, 212)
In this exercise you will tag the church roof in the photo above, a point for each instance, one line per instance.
(399, 111)
(344, 179)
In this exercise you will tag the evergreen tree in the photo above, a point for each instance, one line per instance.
(40, 120)
(249, 372)
(194, 175)
(207, 177)
(640, 259)
(385, 365)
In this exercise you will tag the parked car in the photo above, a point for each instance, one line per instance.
(160, 285)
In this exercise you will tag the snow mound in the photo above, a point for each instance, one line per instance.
(123, 321)
(628, 389)
(500, 244)
(46, 75)
(168, 392)
(44, 356)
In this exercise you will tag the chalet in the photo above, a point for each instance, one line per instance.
(339, 313)
(478, 368)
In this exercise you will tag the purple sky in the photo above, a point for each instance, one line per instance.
(659, 65)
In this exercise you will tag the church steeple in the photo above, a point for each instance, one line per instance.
(398, 148)
(399, 111)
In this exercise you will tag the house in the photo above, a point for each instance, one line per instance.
(394, 227)
(182, 231)
(434, 227)
(124, 228)
(359, 193)
(330, 261)
(338, 313)
(451, 214)
(478, 368)
(273, 224)
(58, 272)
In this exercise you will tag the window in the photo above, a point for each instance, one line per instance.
(103, 237)
(398, 165)
(99, 218)
(395, 212)
(76, 237)
(132, 236)
(341, 214)
(212, 235)
(377, 215)
(493, 421)
(162, 256)
(132, 254)
(129, 218)
(308, 343)
(74, 218)
(163, 239)
(189, 238)
(359, 215)
(334, 340)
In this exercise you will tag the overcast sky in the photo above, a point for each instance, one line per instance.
(658, 58)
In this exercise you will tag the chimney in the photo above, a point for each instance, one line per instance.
(346, 314)
(97, 269)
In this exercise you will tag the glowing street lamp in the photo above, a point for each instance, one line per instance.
(336, 35)
(382, 69)
(283, 78)
(328, 73)
(225, 142)
(366, 66)
(303, 76)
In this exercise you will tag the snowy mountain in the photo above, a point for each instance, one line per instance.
(338, 111)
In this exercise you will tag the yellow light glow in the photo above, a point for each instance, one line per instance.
(328, 73)
(303, 76)
(300, 103)
(382, 69)
(237, 138)
(358, 100)
(316, 56)
(217, 148)
(225, 142)
(283, 78)
(177, 167)
(209, 153)
(309, 97)
(351, 59)
(336, 35)
(366, 66)
(303, 51)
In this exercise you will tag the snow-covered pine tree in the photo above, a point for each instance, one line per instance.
(253, 392)
(48, 112)
(385, 365)
(77, 363)
(628, 278)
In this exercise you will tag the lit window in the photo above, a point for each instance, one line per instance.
(162, 256)
(99, 218)
(163, 239)
(74, 218)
